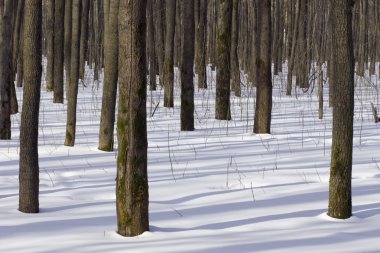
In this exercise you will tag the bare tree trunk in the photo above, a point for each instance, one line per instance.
(168, 73)
(6, 82)
(132, 196)
(235, 70)
(187, 84)
(83, 38)
(59, 23)
(50, 6)
(67, 42)
(111, 38)
(29, 168)
(159, 35)
(223, 73)
(263, 112)
(74, 75)
(151, 46)
(340, 203)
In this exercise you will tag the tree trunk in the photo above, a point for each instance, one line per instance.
(111, 38)
(263, 110)
(67, 42)
(159, 35)
(6, 82)
(74, 75)
(151, 46)
(223, 41)
(132, 196)
(200, 44)
(83, 38)
(168, 77)
(340, 205)
(50, 6)
(235, 71)
(187, 73)
(29, 168)
(59, 22)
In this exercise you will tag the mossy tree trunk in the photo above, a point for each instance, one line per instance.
(111, 46)
(340, 203)
(74, 75)
(132, 197)
(223, 73)
(263, 111)
(6, 16)
(187, 65)
(168, 74)
(29, 168)
(59, 23)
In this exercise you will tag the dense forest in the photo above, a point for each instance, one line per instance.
(132, 51)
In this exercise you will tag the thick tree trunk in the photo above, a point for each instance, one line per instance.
(74, 75)
(111, 38)
(340, 204)
(29, 168)
(223, 41)
(132, 196)
(168, 74)
(187, 73)
(58, 50)
(6, 78)
(263, 110)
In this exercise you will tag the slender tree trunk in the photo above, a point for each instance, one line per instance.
(235, 70)
(6, 82)
(29, 168)
(151, 46)
(74, 75)
(187, 73)
(340, 204)
(263, 110)
(83, 38)
(158, 11)
(111, 38)
(168, 78)
(200, 45)
(50, 44)
(223, 39)
(132, 196)
(67, 42)
(59, 23)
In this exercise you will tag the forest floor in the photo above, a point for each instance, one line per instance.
(218, 189)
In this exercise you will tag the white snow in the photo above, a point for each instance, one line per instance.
(218, 189)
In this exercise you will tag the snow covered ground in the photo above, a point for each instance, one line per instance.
(218, 189)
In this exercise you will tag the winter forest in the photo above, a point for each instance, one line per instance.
(190, 126)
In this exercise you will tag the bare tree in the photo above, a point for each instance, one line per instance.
(32, 51)
(132, 197)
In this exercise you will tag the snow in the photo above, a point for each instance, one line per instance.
(218, 189)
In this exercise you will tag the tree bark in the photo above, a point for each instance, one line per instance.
(6, 82)
(132, 196)
(235, 70)
(340, 203)
(263, 110)
(83, 38)
(223, 46)
(168, 74)
(50, 6)
(187, 73)
(29, 168)
(67, 41)
(59, 22)
(111, 38)
(74, 75)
